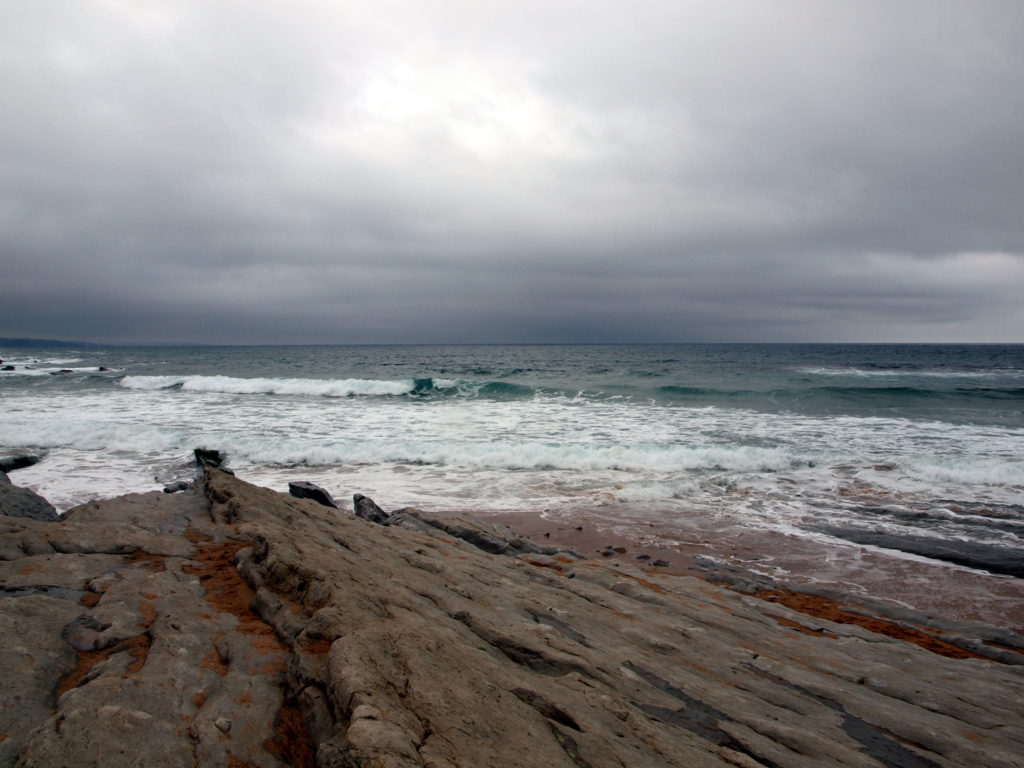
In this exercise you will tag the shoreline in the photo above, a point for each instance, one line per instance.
(908, 588)
(926, 591)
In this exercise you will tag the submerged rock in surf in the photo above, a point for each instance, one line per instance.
(18, 461)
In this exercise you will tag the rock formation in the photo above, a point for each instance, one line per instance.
(306, 490)
(23, 502)
(230, 625)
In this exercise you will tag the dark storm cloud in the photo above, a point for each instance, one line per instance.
(449, 171)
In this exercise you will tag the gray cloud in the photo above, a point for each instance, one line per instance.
(449, 171)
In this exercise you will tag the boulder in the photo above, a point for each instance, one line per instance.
(22, 502)
(364, 507)
(302, 489)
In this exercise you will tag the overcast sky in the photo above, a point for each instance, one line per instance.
(467, 171)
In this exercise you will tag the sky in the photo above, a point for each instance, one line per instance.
(448, 171)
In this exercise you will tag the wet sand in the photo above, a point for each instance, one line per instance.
(844, 574)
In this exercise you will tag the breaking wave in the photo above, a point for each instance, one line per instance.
(890, 371)
(422, 387)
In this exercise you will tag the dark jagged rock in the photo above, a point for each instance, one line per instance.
(995, 559)
(22, 502)
(302, 489)
(364, 507)
(19, 461)
(179, 485)
(209, 457)
(8, 368)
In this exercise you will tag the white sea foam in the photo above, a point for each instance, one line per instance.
(15, 360)
(904, 372)
(34, 369)
(538, 452)
(515, 455)
(278, 386)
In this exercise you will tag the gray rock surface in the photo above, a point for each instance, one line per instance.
(364, 507)
(232, 625)
(493, 538)
(306, 490)
(16, 501)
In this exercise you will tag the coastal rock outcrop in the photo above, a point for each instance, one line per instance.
(16, 501)
(233, 625)
(303, 489)
(365, 508)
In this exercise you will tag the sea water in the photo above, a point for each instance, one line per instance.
(874, 445)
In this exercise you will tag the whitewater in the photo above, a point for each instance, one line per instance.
(826, 443)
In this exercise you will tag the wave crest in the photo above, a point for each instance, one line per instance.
(421, 387)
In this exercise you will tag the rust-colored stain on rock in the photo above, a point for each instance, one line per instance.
(146, 560)
(320, 646)
(137, 646)
(824, 608)
(213, 661)
(226, 590)
(291, 740)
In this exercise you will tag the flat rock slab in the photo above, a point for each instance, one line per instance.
(233, 625)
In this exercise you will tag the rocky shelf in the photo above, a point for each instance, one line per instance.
(231, 625)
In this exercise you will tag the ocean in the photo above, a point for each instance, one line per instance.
(916, 450)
